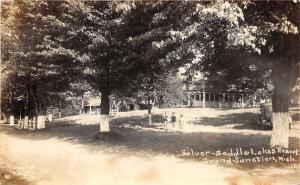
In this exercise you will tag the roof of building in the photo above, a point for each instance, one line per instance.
(197, 87)
(93, 102)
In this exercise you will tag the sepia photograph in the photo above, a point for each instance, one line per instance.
(150, 92)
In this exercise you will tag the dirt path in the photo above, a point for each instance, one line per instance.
(68, 153)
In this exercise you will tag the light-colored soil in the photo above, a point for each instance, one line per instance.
(71, 151)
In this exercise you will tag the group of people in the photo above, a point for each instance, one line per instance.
(173, 120)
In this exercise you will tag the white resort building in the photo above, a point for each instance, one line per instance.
(202, 96)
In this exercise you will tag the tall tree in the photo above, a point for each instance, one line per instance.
(281, 22)
(217, 34)
(33, 72)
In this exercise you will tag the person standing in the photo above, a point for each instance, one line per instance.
(166, 120)
(173, 119)
(181, 122)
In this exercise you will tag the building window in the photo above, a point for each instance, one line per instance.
(192, 97)
(206, 96)
(197, 97)
(201, 96)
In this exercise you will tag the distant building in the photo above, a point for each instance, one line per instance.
(201, 96)
(92, 105)
(125, 103)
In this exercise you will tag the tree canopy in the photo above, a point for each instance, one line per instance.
(49, 47)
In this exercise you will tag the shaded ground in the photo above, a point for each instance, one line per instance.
(71, 151)
(240, 121)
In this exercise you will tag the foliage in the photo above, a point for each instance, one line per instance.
(54, 48)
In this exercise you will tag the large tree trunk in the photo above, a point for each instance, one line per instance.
(40, 111)
(281, 75)
(41, 121)
(12, 110)
(26, 102)
(35, 100)
(104, 102)
(280, 118)
(104, 121)
(82, 105)
(149, 108)
(280, 135)
(150, 114)
(41, 118)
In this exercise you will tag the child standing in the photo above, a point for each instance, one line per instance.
(166, 120)
(173, 119)
(181, 121)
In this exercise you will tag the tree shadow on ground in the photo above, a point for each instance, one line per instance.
(128, 141)
(246, 120)
(137, 120)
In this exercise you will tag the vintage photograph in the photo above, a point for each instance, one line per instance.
(150, 92)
